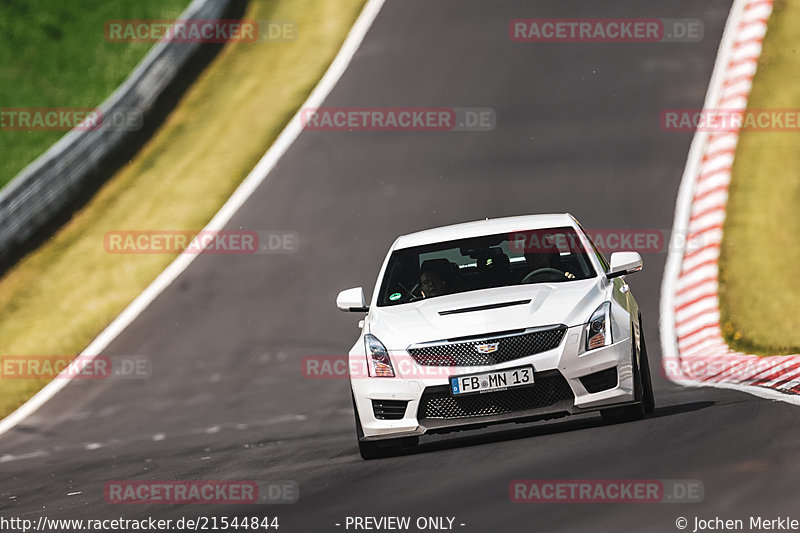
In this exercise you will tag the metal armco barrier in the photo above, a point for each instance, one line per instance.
(41, 191)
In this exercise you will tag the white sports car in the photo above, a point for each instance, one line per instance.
(507, 320)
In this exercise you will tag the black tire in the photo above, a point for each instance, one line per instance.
(380, 449)
(643, 389)
(648, 399)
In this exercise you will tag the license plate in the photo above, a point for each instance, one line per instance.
(491, 381)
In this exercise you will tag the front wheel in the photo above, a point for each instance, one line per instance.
(643, 389)
(649, 400)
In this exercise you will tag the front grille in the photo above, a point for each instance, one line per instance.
(548, 389)
(600, 381)
(389, 409)
(509, 347)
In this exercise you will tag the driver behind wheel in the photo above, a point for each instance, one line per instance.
(433, 278)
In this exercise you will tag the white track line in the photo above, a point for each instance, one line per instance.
(239, 197)
(703, 358)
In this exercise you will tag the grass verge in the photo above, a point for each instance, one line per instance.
(759, 285)
(58, 298)
(55, 54)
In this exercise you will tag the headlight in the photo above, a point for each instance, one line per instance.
(598, 330)
(379, 357)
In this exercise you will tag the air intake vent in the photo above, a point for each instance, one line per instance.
(600, 381)
(389, 409)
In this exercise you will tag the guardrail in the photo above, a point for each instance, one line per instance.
(43, 190)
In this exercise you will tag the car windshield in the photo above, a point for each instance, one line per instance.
(553, 255)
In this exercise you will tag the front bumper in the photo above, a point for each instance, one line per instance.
(557, 391)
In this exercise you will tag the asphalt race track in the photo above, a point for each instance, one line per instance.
(578, 131)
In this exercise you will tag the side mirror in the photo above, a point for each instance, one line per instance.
(352, 300)
(623, 263)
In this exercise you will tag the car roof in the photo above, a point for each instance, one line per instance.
(479, 228)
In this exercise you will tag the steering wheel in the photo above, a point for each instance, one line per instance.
(541, 272)
(415, 293)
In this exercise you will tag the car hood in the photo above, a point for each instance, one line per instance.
(569, 303)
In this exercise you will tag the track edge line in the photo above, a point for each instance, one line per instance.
(242, 193)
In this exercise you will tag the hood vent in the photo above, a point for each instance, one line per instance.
(484, 307)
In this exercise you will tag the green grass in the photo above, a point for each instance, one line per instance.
(58, 298)
(53, 53)
(760, 261)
